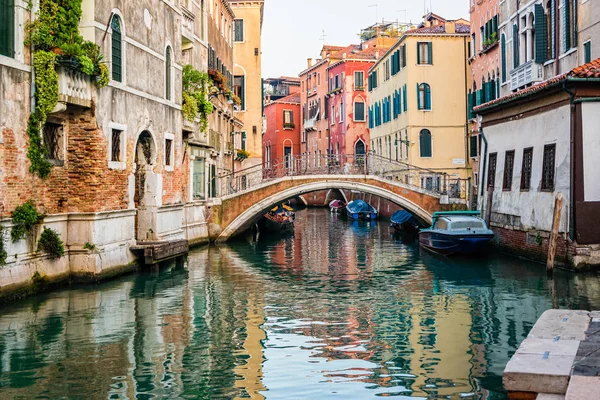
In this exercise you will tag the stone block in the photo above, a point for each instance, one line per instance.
(550, 346)
(550, 396)
(538, 373)
(565, 324)
(583, 388)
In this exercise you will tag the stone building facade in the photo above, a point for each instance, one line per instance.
(126, 168)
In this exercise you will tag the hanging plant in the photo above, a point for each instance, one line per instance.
(3, 253)
(24, 218)
(51, 244)
(195, 85)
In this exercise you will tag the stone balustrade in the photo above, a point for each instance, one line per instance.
(74, 87)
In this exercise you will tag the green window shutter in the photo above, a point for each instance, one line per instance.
(403, 55)
(418, 53)
(567, 24)
(425, 143)
(503, 50)
(541, 35)
(116, 44)
(7, 28)
(470, 105)
(552, 18)
(575, 22)
(427, 97)
(515, 46)
(473, 146)
(478, 98)
(430, 52)
(587, 50)
(399, 101)
(168, 74)
(405, 98)
(418, 97)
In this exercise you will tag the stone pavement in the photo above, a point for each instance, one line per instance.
(559, 359)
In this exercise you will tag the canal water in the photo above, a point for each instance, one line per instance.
(338, 310)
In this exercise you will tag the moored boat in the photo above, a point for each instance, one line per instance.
(405, 222)
(359, 209)
(280, 218)
(456, 232)
(337, 205)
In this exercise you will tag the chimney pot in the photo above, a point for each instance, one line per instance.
(309, 62)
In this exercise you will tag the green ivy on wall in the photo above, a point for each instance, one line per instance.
(195, 96)
(3, 253)
(55, 37)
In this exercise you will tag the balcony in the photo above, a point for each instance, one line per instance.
(187, 25)
(310, 124)
(215, 140)
(525, 74)
(74, 87)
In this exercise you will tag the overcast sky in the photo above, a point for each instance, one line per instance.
(292, 29)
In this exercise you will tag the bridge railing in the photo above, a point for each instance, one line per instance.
(431, 181)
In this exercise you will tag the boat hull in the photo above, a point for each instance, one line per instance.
(275, 226)
(448, 244)
(365, 216)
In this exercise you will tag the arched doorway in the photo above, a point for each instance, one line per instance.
(147, 193)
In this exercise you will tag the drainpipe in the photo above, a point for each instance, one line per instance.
(483, 164)
(556, 38)
(467, 163)
(571, 162)
(32, 75)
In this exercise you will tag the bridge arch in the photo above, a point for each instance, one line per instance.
(251, 214)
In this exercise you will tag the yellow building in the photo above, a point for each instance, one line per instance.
(247, 80)
(418, 101)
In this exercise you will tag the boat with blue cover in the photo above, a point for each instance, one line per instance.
(456, 232)
(405, 222)
(359, 209)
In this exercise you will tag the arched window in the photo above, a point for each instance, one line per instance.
(117, 49)
(168, 73)
(425, 143)
(424, 96)
(359, 109)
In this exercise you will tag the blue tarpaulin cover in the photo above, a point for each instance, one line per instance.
(358, 206)
(402, 216)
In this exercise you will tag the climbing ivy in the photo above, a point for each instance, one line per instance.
(195, 96)
(55, 37)
(24, 218)
(3, 253)
(51, 243)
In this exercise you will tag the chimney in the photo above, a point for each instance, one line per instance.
(450, 27)
(377, 55)
(344, 56)
(309, 62)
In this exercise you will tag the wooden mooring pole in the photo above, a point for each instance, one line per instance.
(554, 234)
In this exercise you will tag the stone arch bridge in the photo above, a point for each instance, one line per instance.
(248, 194)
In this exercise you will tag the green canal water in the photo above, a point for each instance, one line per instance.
(338, 310)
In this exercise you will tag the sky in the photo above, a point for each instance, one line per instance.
(293, 29)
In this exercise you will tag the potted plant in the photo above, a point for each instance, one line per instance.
(242, 155)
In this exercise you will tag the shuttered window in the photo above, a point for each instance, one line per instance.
(587, 52)
(424, 53)
(117, 53)
(503, 50)
(7, 28)
(238, 30)
(541, 35)
(515, 39)
(404, 97)
(403, 55)
(425, 143)
(473, 151)
(239, 90)
(424, 96)
(168, 74)
(359, 110)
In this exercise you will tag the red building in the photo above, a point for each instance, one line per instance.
(282, 136)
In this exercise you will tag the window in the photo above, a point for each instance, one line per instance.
(474, 151)
(424, 96)
(288, 119)
(337, 81)
(239, 90)
(473, 47)
(515, 40)
(341, 112)
(115, 147)
(404, 97)
(7, 28)
(540, 34)
(386, 67)
(509, 163)
(424, 53)
(116, 48)
(332, 114)
(238, 29)
(169, 152)
(492, 170)
(526, 168)
(425, 144)
(199, 179)
(243, 144)
(548, 168)
(569, 24)
(587, 52)
(54, 142)
(403, 55)
(359, 80)
(503, 55)
(168, 74)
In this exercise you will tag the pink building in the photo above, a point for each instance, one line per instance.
(282, 137)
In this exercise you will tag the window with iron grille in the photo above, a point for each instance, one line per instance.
(548, 167)
(115, 153)
(53, 140)
(509, 163)
(492, 170)
(526, 169)
(168, 152)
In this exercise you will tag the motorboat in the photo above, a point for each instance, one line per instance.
(404, 222)
(359, 209)
(456, 232)
(337, 206)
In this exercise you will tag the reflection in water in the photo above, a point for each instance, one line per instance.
(338, 310)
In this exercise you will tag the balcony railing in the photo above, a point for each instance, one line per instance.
(187, 25)
(74, 87)
(310, 124)
(525, 74)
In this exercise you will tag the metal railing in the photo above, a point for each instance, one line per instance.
(430, 181)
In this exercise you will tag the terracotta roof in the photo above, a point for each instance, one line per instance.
(589, 70)
(438, 29)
